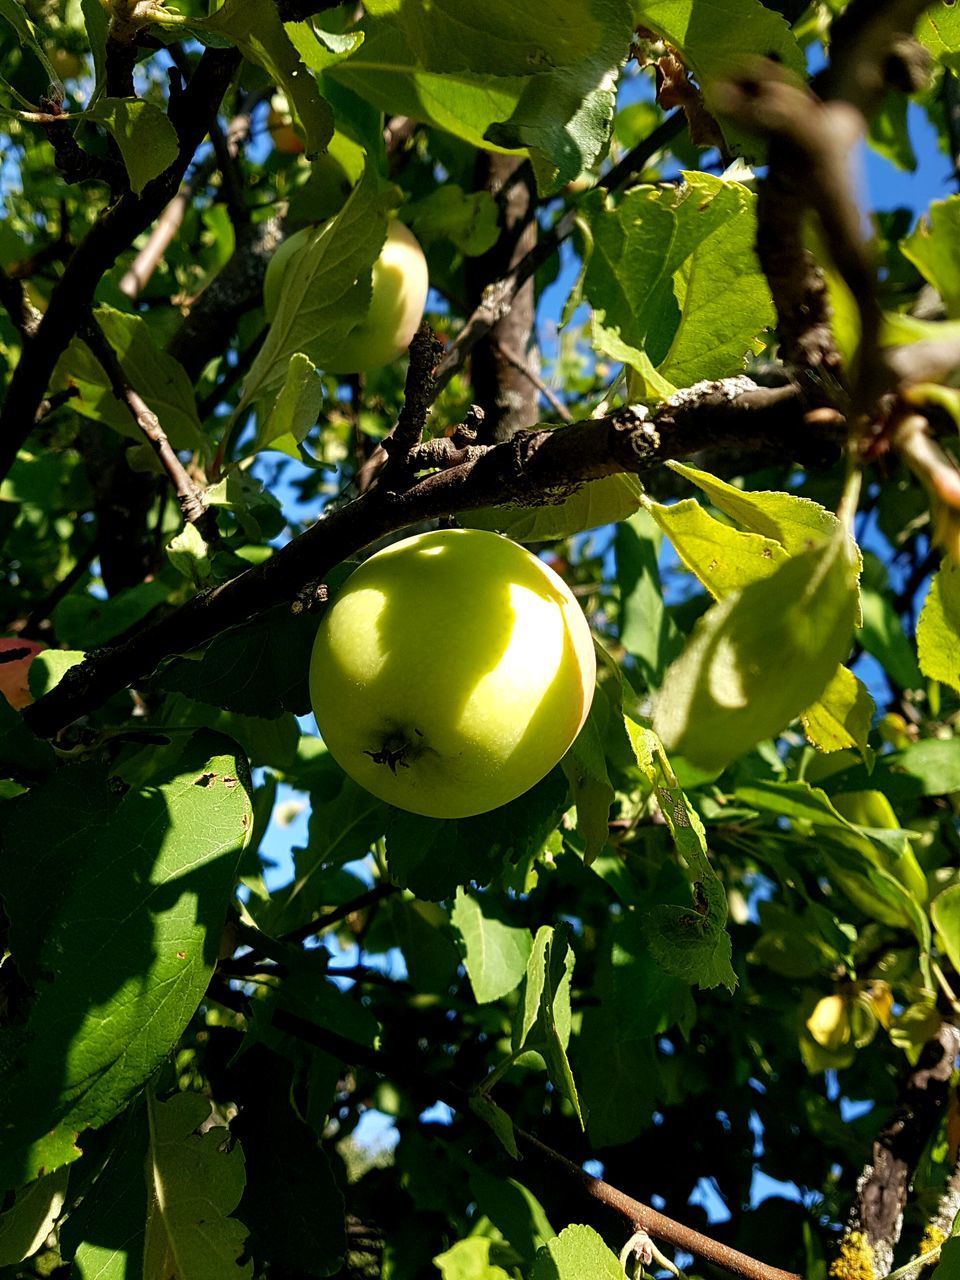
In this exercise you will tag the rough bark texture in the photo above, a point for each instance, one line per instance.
(507, 396)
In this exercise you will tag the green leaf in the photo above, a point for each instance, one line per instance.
(585, 767)
(470, 1260)
(938, 630)
(194, 1184)
(292, 1204)
(931, 247)
(842, 716)
(501, 77)
(104, 1233)
(576, 1253)
(759, 657)
(30, 1219)
(431, 857)
(935, 762)
(154, 868)
(160, 380)
(189, 554)
(876, 868)
(797, 523)
(498, 1120)
(327, 292)
(88, 622)
(948, 1268)
(20, 751)
(495, 953)
(542, 1019)
(647, 631)
(715, 41)
(49, 667)
(939, 30)
(294, 411)
(881, 634)
(723, 558)
(514, 1210)
(945, 914)
(15, 12)
(468, 221)
(258, 669)
(147, 140)
(615, 1059)
(342, 829)
(254, 26)
(889, 133)
(674, 281)
(596, 503)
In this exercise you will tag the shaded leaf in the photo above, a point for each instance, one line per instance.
(194, 1184)
(154, 868)
(495, 953)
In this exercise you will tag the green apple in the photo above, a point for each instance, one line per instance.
(452, 672)
(399, 294)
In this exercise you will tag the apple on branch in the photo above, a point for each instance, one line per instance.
(452, 672)
(400, 284)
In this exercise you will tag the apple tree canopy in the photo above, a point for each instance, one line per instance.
(692, 338)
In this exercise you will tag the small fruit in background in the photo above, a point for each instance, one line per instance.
(506, 690)
(68, 65)
(280, 124)
(399, 285)
(15, 658)
(829, 1024)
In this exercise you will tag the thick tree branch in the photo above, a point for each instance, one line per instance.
(535, 467)
(883, 1189)
(498, 297)
(111, 234)
(192, 505)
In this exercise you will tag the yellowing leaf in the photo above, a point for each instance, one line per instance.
(759, 657)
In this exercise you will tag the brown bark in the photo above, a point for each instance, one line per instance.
(507, 394)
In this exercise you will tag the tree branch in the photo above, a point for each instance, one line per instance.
(535, 467)
(883, 1188)
(412, 1075)
(111, 234)
(171, 219)
(498, 297)
(336, 914)
(192, 506)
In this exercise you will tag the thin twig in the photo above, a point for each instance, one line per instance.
(192, 505)
(115, 229)
(138, 274)
(547, 392)
(336, 914)
(412, 1075)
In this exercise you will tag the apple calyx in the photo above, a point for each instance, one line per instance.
(397, 750)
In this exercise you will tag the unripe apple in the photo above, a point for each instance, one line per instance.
(280, 124)
(15, 658)
(451, 673)
(400, 284)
